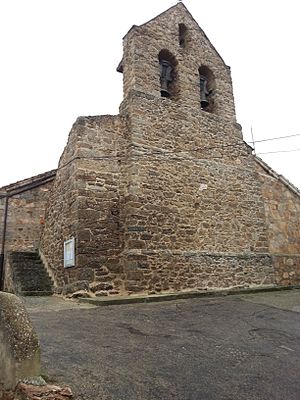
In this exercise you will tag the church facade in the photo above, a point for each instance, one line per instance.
(166, 196)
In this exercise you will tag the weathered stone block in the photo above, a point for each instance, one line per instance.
(45, 392)
(19, 344)
(78, 294)
(100, 286)
(75, 286)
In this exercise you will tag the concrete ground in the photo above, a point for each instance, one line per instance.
(224, 348)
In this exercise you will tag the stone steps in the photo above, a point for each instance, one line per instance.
(36, 293)
(29, 275)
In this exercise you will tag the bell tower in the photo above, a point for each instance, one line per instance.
(171, 57)
(192, 200)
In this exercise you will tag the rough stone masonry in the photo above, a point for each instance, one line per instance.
(19, 345)
(166, 196)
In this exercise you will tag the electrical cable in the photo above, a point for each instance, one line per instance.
(279, 151)
(274, 138)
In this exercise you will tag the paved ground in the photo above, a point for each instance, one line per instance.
(227, 348)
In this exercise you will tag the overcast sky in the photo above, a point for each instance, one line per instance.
(59, 59)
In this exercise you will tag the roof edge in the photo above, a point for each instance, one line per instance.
(35, 181)
(279, 177)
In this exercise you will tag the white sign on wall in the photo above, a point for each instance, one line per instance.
(69, 253)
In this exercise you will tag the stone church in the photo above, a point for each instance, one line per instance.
(164, 197)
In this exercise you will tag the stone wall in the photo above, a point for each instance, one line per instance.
(287, 269)
(25, 218)
(161, 271)
(193, 190)
(62, 209)
(282, 207)
(85, 204)
(24, 204)
(100, 233)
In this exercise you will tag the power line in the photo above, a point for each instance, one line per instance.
(279, 151)
(275, 138)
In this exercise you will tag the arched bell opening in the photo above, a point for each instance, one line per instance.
(168, 74)
(207, 88)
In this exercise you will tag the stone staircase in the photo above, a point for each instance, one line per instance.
(29, 275)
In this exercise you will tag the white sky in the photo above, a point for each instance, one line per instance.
(59, 59)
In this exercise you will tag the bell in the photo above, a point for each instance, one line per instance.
(204, 102)
(164, 92)
(204, 93)
(166, 78)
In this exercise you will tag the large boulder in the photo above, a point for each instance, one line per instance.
(19, 344)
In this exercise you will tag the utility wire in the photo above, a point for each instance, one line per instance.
(279, 151)
(275, 138)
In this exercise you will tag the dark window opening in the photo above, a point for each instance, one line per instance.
(168, 73)
(182, 35)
